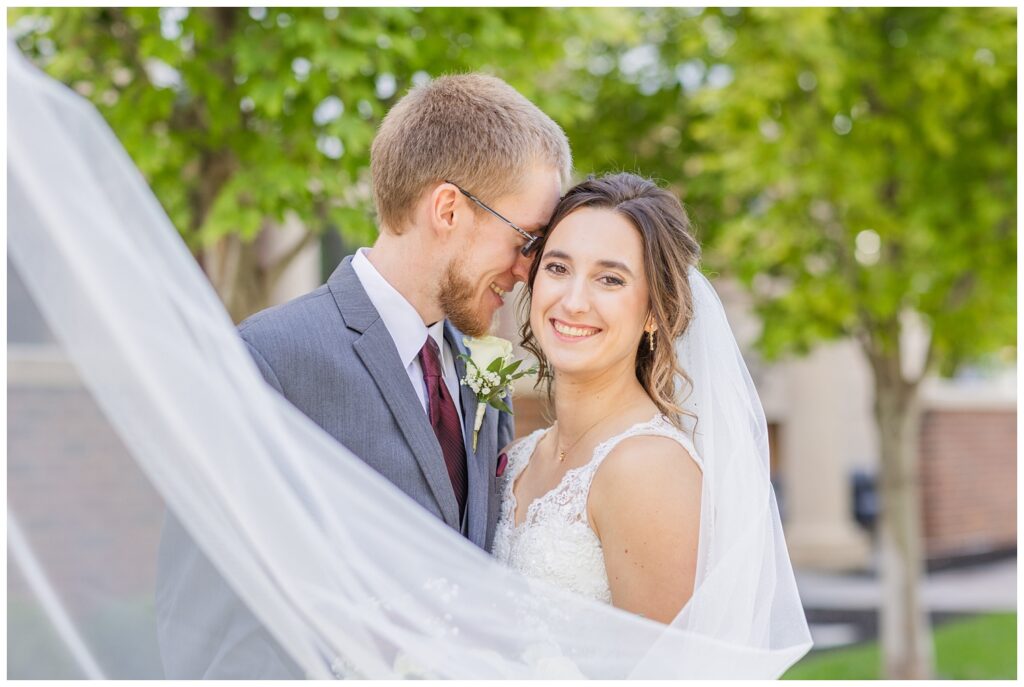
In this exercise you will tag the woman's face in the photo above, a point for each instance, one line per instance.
(590, 297)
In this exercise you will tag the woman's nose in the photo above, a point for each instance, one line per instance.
(576, 298)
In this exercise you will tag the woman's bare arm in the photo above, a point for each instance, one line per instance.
(645, 507)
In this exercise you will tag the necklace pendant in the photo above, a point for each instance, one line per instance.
(561, 456)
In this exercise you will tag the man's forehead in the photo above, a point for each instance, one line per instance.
(548, 202)
(534, 216)
(543, 183)
(533, 204)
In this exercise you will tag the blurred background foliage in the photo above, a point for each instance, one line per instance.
(846, 163)
(854, 168)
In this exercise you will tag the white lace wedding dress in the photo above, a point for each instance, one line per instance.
(554, 542)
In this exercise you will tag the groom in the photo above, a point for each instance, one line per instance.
(466, 172)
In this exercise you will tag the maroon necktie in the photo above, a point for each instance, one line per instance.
(445, 420)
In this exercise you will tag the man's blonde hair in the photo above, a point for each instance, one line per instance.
(471, 129)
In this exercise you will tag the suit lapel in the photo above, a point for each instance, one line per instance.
(467, 397)
(476, 462)
(377, 351)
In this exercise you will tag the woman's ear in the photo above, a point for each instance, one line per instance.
(651, 325)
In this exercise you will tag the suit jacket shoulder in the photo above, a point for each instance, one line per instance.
(292, 340)
(281, 325)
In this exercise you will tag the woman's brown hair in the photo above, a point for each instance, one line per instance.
(669, 251)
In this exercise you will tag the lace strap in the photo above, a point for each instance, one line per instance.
(659, 426)
(519, 452)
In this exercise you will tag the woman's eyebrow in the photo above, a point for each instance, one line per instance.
(606, 264)
(561, 255)
(615, 265)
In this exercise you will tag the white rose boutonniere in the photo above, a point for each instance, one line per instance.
(490, 370)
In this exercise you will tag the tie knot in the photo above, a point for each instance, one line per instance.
(430, 358)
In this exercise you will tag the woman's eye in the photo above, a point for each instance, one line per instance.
(556, 268)
(612, 281)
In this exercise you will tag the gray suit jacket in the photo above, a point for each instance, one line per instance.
(330, 354)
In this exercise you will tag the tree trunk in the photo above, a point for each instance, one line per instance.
(905, 628)
(233, 267)
(246, 273)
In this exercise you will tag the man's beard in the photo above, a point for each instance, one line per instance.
(457, 301)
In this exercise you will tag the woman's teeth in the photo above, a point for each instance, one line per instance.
(566, 330)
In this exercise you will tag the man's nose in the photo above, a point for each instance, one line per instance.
(521, 267)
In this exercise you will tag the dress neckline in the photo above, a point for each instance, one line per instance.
(537, 437)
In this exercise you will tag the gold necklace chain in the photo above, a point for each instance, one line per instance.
(563, 453)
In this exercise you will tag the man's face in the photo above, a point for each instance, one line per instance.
(490, 264)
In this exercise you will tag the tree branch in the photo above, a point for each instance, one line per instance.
(960, 291)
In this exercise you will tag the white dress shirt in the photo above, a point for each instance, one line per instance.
(407, 330)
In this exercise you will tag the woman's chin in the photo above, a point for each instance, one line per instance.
(568, 365)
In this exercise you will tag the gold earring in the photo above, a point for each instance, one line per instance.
(650, 340)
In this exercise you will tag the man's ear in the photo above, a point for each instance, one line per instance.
(444, 210)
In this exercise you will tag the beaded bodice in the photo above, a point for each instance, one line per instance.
(554, 542)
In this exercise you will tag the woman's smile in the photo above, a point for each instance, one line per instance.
(572, 333)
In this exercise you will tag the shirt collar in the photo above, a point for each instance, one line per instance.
(403, 322)
(436, 331)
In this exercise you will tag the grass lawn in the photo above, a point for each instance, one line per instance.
(980, 648)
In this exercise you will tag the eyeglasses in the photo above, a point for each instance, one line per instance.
(531, 240)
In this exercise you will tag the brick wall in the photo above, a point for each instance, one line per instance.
(969, 481)
(90, 515)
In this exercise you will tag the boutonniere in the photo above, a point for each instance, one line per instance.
(490, 371)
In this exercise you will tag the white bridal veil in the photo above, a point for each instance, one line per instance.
(130, 391)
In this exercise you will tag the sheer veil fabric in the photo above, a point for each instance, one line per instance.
(348, 574)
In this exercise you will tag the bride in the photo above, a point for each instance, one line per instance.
(606, 502)
(651, 492)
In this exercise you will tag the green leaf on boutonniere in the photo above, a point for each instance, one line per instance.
(500, 405)
(506, 371)
(492, 384)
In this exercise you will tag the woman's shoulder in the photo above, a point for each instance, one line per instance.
(647, 465)
(643, 454)
(652, 444)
